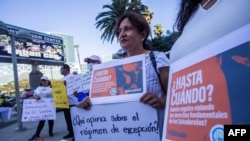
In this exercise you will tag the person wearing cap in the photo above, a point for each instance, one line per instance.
(72, 99)
(43, 91)
(92, 60)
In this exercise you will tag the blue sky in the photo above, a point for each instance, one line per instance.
(77, 18)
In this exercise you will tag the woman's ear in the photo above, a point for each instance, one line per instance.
(143, 35)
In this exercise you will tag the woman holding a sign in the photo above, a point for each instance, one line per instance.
(43, 91)
(132, 31)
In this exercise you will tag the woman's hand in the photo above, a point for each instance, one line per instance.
(152, 100)
(37, 97)
(85, 103)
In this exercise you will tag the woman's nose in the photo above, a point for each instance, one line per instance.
(122, 35)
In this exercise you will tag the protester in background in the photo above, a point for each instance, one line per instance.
(92, 60)
(200, 23)
(132, 31)
(65, 71)
(43, 91)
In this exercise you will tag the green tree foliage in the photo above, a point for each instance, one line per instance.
(158, 30)
(163, 43)
(106, 20)
(23, 84)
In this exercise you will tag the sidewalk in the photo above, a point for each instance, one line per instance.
(8, 130)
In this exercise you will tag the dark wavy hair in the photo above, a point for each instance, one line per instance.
(187, 8)
(138, 21)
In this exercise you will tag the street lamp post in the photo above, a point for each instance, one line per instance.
(78, 56)
(14, 62)
(23, 36)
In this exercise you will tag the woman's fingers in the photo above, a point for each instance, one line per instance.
(151, 99)
(85, 103)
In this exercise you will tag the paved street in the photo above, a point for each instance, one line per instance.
(8, 130)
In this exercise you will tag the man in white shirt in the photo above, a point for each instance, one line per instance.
(65, 71)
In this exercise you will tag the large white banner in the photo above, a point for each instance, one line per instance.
(126, 121)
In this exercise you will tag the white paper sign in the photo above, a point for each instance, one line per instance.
(127, 121)
(86, 79)
(35, 110)
(74, 83)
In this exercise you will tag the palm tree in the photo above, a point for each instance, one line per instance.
(158, 30)
(148, 14)
(106, 20)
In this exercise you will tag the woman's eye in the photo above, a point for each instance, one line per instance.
(127, 29)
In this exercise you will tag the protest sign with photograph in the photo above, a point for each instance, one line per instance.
(116, 113)
(118, 81)
(210, 91)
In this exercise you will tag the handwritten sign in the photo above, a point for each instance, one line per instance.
(35, 110)
(59, 94)
(107, 122)
(74, 83)
(210, 91)
(86, 79)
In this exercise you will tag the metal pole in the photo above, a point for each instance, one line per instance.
(51, 73)
(14, 61)
(79, 59)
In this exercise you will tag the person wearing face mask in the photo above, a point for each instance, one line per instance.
(92, 60)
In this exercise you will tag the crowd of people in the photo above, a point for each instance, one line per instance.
(198, 23)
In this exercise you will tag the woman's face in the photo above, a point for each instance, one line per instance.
(129, 37)
(45, 82)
